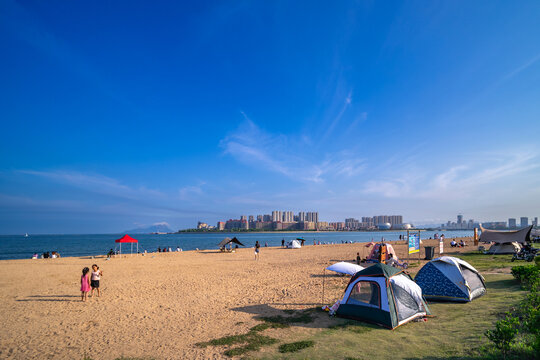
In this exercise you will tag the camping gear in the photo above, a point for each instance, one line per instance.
(375, 253)
(504, 248)
(127, 239)
(293, 244)
(382, 295)
(505, 242)
(527, 253)
(227, 241)
(450, 278)
(345, 268)
(341, 268)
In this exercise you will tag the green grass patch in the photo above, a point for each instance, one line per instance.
(295, 346)
(253, 340)
(456, 331)
(484, 262)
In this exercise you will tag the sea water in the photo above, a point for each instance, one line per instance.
(21, 247)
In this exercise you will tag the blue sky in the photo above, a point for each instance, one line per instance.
(123, 114)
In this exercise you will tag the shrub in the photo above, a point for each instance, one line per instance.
(527, 275)
(504, 333)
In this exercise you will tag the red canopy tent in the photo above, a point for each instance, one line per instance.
(127, 239)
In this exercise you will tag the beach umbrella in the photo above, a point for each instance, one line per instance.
(127, 239)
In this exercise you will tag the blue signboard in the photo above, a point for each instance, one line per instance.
(414, 243)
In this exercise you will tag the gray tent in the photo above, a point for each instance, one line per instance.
(508, 236)
(505, 242)
(504, 248)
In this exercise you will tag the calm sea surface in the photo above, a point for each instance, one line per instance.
(20, 247)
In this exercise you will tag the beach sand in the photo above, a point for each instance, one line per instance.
(160, 305)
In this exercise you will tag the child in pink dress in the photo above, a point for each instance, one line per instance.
(85, 283)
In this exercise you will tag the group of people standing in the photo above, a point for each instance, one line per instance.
(90, 283)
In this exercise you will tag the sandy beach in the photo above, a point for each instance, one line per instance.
(160, 305)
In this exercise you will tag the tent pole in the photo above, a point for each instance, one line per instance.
(137, 249)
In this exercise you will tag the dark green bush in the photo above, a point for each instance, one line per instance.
(504, 333)
(527, 275)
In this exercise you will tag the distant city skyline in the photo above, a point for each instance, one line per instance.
(183, 112)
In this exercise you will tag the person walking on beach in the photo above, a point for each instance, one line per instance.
(282, 243)
(85, 283)
(257, 250)
(94, 279)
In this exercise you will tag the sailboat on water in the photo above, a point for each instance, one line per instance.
(26, 235)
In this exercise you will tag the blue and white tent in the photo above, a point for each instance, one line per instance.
(451, 279)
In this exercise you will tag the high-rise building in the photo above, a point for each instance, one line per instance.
(459, 219)
(524, 221)
(267, 218)
(512, 223)
(277, 216)
(288, 216)
(352, 224)
(243, 217)
(535, 221)
(251, 218)
(301, 216)
(260, 218)
(312, 217)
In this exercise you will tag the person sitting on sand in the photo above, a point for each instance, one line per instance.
(110, 253)
(453, 243)
(393, 262)
(462, 243)
(85, 283)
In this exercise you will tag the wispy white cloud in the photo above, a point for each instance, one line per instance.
(282, 154)
(521, 68)
(94, 183)
(459, 181)
(189, 192)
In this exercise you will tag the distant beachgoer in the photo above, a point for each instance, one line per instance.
(282, 242)
(110, 253)
(85, 284)
(462, 243)
(169, 250)
(94, 279)
(453, 243)
(257, 250)
(314, 242)
(158, 249)
(178, 248)
(265, 244)
(358, 259)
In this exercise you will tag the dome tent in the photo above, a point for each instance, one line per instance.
(450, 278)
(293, 244)
(382, 295)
